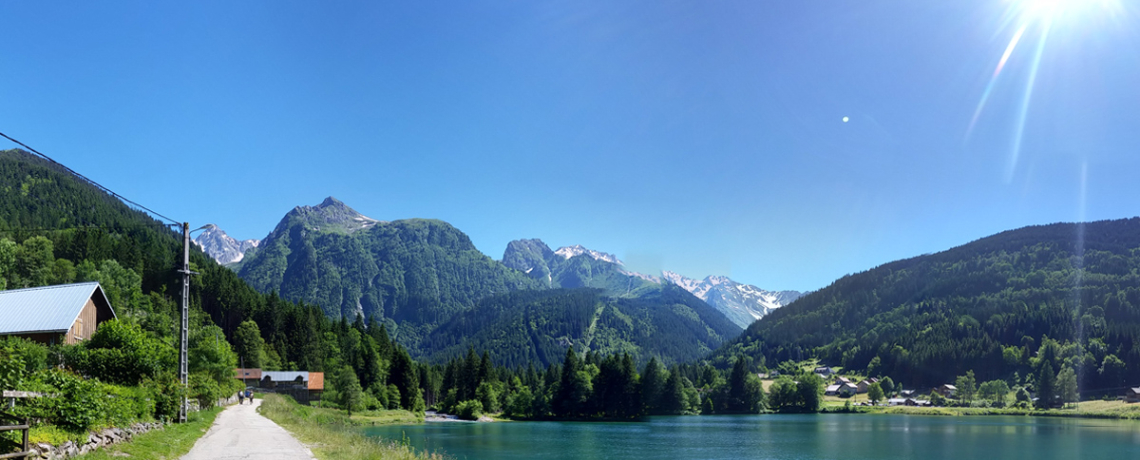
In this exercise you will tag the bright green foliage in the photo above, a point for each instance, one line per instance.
(122, 353)
(1067, 385)
(521, 403)
(469, 410)
(207, 391)
(994, 391)
(249, 345)
(875, 393)
(967, 387)
(210, 354)
(804, 394)
(487, 395)
(348, 388)
(887, 385)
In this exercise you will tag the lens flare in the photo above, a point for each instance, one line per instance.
(993, 79)
(1035, 14)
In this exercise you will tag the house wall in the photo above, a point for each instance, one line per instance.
(84, 326)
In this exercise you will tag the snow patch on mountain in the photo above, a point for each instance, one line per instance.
(576, 250)
(222, 247)
(741, 303)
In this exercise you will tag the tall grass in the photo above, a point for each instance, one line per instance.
(331, 435)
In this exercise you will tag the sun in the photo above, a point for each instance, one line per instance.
(1039, 9)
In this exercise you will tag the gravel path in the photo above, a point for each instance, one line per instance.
(240, 432)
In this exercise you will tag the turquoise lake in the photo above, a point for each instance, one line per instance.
(789, 437)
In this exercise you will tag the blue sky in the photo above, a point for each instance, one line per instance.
(699, 137)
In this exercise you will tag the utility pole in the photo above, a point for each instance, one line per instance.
(183, 362)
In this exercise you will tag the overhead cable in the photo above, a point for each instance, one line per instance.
(92, 182)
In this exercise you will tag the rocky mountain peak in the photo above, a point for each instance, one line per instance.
(576, 250)
(331, 215)
(222, 247)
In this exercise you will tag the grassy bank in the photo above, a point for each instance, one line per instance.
(386, 417)
(170, 443)
(1087, 409)
(331, 434)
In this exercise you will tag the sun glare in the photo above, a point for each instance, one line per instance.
(1039, 9)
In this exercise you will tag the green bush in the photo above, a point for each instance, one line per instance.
(167, 394)
(77, 404)
(469, 410)
(34, 355)
(121, 353)
(126, 405)
(206, 390)
(12, 368)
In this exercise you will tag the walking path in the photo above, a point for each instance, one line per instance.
(240, 432)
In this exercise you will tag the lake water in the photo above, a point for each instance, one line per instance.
(786, 437)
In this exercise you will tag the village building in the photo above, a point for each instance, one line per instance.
(865, 385)
(302, 386)
(824, 371)
(947, 391)
(844, 390)
(1132, 395)
(65, 313)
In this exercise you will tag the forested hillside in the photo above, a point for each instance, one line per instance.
(518, 328)
(1063, 294)
(81, 227)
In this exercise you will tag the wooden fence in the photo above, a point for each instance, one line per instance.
(9, 423)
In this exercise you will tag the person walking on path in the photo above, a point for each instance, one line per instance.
(260, 438)
(241, 398)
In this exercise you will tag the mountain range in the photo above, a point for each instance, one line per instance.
(566, 267)
(743, 304)
(420, 275)
(576, 266)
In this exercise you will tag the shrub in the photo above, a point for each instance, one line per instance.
(126, 405)
(77, 405)
(469, 410)
(167, 394)
(205, 389)
(121, 353)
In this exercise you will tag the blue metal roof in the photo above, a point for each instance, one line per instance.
(47, 308)
(285, 376)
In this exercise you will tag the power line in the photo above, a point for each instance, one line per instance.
(92, 182)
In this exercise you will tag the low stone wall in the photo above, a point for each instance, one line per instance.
(106, 437)
(95, 440)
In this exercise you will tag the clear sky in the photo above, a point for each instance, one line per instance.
(700, 137)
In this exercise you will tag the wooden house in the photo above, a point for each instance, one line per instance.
(65, 313)
(1132, 395)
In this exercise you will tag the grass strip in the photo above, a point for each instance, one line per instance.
(1087, 409)
(331, 435)
(167, 444)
